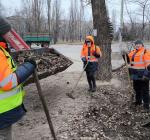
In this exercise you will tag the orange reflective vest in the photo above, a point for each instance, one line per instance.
(85, 51)
(139, 60)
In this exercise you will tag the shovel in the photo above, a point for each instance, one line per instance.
(44, 104)
(130, 83)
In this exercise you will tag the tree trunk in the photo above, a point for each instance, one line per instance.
(49, 16)
(103, 38)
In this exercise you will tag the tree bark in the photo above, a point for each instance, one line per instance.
(103, 39)
(49, 16)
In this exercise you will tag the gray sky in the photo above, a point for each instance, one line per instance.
(12, 5)
(16, 4)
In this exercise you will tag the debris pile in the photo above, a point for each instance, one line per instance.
(48, 60)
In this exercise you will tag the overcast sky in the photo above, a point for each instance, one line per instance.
(16, 4)
(112, 5)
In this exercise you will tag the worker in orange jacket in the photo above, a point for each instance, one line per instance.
(11, 90)
(90, 54)
(139, 69)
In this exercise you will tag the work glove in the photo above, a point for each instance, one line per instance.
(32, 61)
(144, 78)
(83, 59)
(146, 75)
(24, 71)
(96, 55)
(148, 68)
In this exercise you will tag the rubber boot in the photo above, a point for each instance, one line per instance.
(93, 89)
(94, 85)
(90, 85)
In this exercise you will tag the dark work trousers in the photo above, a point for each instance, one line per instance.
(142, 92)
(91, 79)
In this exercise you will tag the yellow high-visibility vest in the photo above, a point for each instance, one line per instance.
(12, 98)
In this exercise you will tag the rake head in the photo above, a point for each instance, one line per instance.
(70, 95)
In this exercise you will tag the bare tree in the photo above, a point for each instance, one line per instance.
(114, 21)
(104, 37)
(1, 8)
(64, 32)
(32, 11)
(37, 6)
(147, 27)
(143, 4)
(133, 30)
(81, 20)
(73, 20)
(49, 15)
(27, 14)
(18, 22)
(31, 19)
(56, 13)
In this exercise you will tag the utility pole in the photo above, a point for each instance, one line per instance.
(121, 20)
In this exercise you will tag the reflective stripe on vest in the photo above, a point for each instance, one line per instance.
(11, 77)
(95, 60)
(134, 67)
(8, 94)
(137, 62)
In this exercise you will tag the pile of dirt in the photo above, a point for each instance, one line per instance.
(48, 60)
(111, 116)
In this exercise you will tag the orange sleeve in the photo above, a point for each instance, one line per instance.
(147, 58)
(4, 67)
(5, 72)
(130, 54)
(82, 52)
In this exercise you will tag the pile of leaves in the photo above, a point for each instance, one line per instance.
(48, 60)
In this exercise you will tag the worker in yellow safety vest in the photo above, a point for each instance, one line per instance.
(11, 90)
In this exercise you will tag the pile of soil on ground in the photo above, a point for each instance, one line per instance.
(48, 60)
(111, 116)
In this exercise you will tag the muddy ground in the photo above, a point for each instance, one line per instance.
(103, 115)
